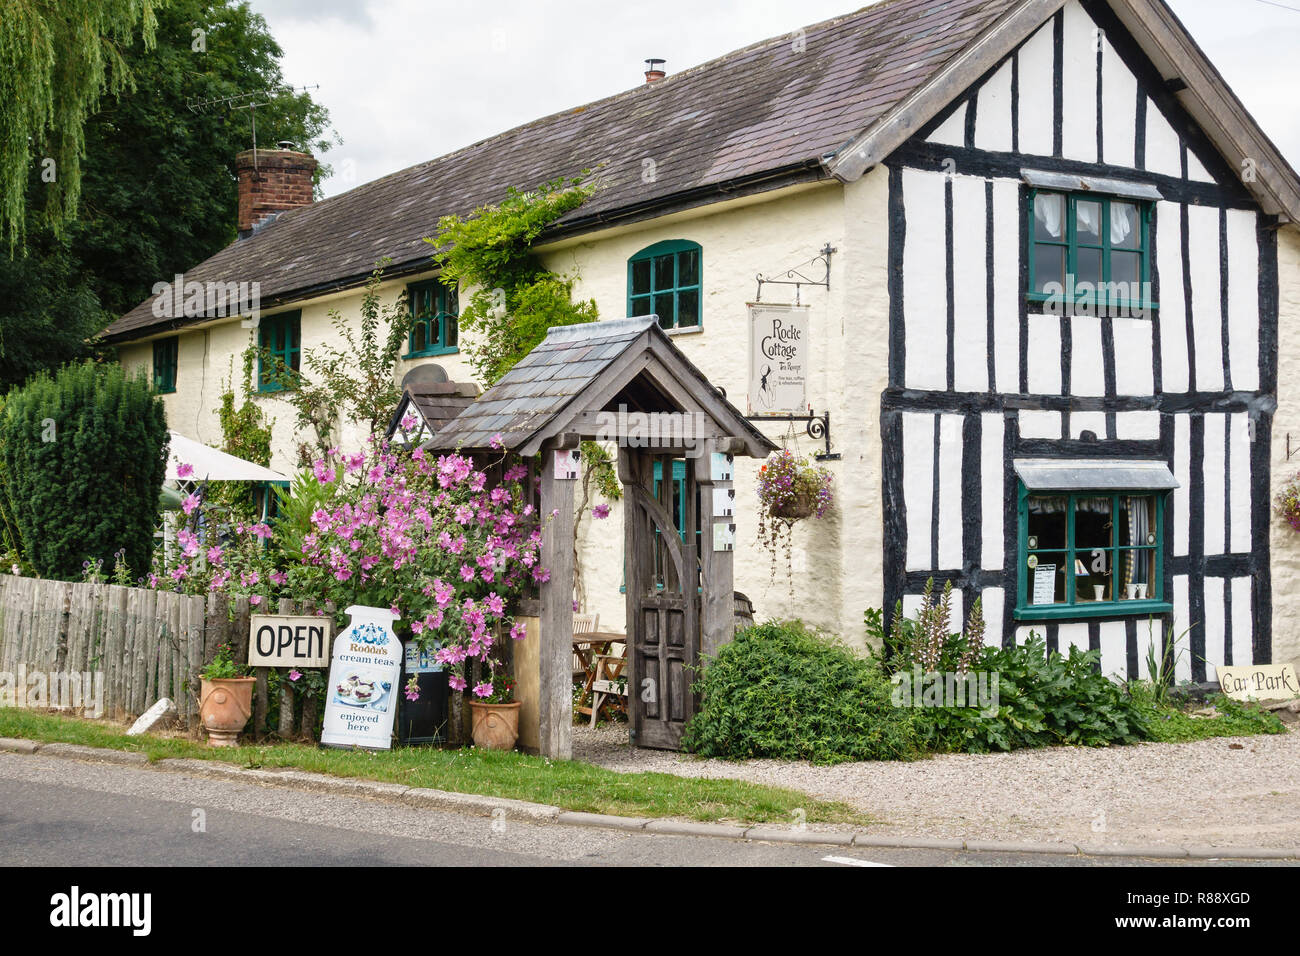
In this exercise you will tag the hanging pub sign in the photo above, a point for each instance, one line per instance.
(276, 641)
(778, 359)
(360, 697)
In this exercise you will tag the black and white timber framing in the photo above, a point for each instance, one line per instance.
(978, 377)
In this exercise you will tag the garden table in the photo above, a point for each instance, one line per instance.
(591, 649)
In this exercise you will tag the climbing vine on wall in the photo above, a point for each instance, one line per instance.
(515, 299)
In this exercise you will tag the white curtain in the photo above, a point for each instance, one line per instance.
(1049, 209)
(1138, 526)
(1089, 219)
(1123, 219)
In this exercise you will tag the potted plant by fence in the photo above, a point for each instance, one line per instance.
(495, 715)
(790, 488)
(226, 698)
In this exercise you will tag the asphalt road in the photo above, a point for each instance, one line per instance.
(58, 812)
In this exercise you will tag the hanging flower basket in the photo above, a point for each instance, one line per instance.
(795, 508)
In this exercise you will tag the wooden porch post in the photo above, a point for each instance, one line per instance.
(717, 603)
(555, 664)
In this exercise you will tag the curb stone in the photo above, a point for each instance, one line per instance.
(97, 754)
(999, 846)
(1164, 852)
(577, 818)
(524, 810)
(771, 834)
(906, 843)
(484, 806)
(688, 828)
(18, 745)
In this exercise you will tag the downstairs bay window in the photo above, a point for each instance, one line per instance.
(1091, 538)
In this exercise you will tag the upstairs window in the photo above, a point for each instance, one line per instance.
(664, 280)
(434, 319)
(164, 364)
(1089, 252)
(279, 340)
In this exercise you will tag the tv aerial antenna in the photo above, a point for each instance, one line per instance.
(247, 101)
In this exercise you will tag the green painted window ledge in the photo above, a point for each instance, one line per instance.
(1064, 612)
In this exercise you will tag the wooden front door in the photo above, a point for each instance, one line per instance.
(663, 603)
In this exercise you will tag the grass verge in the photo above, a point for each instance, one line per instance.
(568, 784)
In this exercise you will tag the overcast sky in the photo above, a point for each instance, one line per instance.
(409, 80)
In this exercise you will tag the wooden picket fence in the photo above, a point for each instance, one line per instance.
(147, 644)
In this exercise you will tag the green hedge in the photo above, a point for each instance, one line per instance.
(83, 456)
(782, 690)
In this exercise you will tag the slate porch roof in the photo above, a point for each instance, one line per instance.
(760, 117)
(436, 403)
(544, 384)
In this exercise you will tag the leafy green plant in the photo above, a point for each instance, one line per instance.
(82, 456)
(1167, 723)
(1161, 668)
(515, 298)
(351, 376)
(246, 434)
(224, 666)
(781, 689)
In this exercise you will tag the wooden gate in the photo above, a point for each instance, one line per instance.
(663, 595)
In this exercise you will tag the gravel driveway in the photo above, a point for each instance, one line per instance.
(1205, 792)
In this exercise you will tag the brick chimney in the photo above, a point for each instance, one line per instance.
(654, 70)
(280, 179)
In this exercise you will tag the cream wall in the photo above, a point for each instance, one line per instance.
(1284, 542)
(837, 560)
(211, 356)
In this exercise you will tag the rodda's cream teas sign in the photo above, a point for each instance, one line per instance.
(361, 697)
(778, 359)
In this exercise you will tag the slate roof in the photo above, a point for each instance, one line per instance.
(760, 117)
(547, 380)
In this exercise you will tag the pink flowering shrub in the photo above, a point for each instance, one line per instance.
(424, 536)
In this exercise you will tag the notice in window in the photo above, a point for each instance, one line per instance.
(1044, 584)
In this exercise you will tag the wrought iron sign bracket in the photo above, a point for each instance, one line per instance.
(797, 279)
(818, 428)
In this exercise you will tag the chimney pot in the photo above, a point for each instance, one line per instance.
(654, 70)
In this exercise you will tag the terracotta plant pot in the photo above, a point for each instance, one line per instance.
(494, 726)
(224, 707)
(801, 507)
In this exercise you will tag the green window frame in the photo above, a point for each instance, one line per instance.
(1079, 567)
(279, 336)
(1101, 257)
(667, 280)
(164, 364)
(435, 322)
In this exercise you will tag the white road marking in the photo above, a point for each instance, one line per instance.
(852, 861)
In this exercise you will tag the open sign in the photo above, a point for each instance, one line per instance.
(275, 641)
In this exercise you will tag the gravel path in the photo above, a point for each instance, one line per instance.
(1205, 792)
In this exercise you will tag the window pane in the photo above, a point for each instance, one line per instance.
(420, 339)
(688, 308)
(1088, 266)
(1092, 541)
(664, 309)
(1049, 216)
(641, 306)
(451, 328)
(1126, 267)
(641, 277)
(1046, 523)
(1087, 222)
(1047, 578)
(452, 297)
(688, 268)
(1137, 575)
(665, 272)
(1125, 228)
(1049, 267)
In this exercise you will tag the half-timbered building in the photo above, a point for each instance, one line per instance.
(1061, 294)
